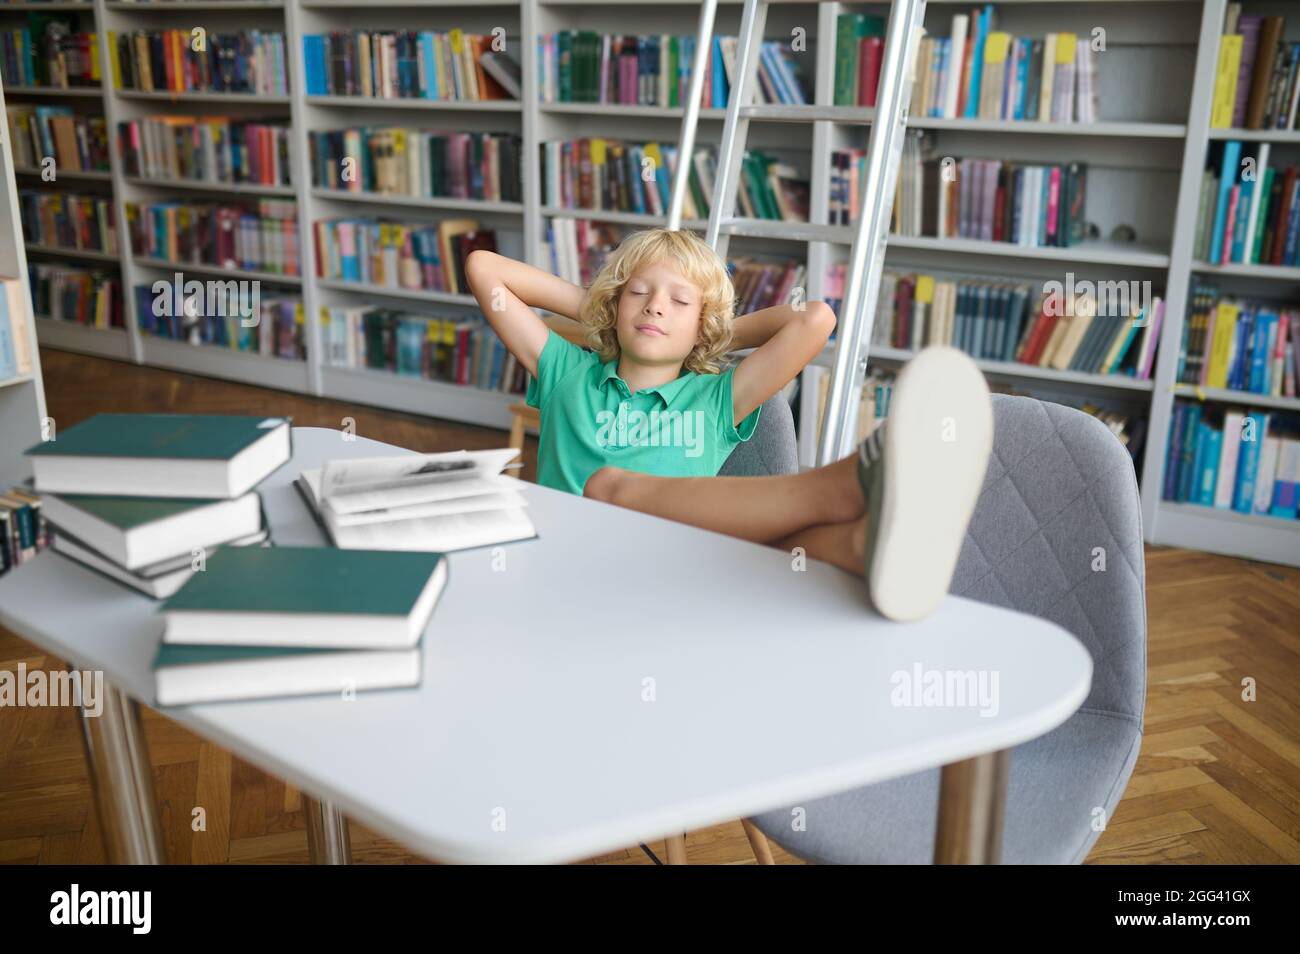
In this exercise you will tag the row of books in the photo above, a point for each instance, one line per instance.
(1248, 464)
(49, 51)
(76, 143)
(609, 174)
(23, 530)
(1239, 345)
(219, 318)
(985, 199)
(399, 254)
(1016, 322)
(245, 62)
(1255, 83)
(86, 296)
(84, 223)
(405, 64)
(257, 235)
(215, 149)
(859, 41)
(1053, 79)
(418, 162)
(453, 350)
(577, 248)
(762, 283)
(1248, 211)
(582, 66)
(15, 342)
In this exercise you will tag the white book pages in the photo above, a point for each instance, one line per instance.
(442, 534)
(340, 478)
(437, 508)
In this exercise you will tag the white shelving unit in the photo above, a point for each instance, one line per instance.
(1145, 160)
(22, 397)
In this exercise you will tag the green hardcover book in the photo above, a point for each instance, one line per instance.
(308, 596)
(185, 675)
(136, 532)
(214, 456)
(564, 54)
(846, 58)
(1265, 194)
(674, 51)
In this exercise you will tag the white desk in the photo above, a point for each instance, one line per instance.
(770, 687)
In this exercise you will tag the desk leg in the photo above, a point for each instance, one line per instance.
(121, 780)
(972, 797)
(327, 833)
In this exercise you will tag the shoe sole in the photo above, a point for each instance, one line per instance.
(936, 452)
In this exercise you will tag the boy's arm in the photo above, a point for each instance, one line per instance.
(784, 340)
(508, 291)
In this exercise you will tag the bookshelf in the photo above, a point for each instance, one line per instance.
(22, 396)
(1145, 157)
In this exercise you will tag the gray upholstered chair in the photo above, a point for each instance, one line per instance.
(1059, 485)
(771, 449)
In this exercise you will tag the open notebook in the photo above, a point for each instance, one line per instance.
(442, 502)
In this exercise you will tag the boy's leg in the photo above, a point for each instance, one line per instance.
(895, 514)
(759, 509)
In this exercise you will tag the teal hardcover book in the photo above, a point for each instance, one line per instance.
(308, 596)
(195, 456)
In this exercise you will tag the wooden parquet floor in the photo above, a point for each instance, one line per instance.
(1218, 779)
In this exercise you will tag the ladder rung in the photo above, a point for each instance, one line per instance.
(808, 113)
(781, 229)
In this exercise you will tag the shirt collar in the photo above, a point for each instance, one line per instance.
(666, 391)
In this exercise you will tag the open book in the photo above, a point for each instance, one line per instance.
(441, 502)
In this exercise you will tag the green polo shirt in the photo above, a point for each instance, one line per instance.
(590, 419)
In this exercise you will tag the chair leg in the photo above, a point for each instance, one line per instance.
(758, 843)
(676, 846)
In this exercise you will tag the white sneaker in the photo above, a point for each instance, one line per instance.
(921, 472)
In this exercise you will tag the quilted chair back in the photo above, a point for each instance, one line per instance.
(1057, 533)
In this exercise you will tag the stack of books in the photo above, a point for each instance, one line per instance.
(259, 235)
(419, 162)
(214, 149)
(292, 621)
(1241, 345)
(456, 350)
(84, 223)
(49, 52)
(76, 143)
(441, 502)
(399, 254)
(581, 66)
(88, 296)
(143, 498)
(607, 174)
(979, 72)
(23, 529)
(1256, 84)
(250, 62)
(1249, 464)
(1249, 210)
(404, 64)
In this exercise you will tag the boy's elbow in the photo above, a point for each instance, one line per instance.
(478, 265)
(820, 319)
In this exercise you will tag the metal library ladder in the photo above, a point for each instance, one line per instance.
(884, 148)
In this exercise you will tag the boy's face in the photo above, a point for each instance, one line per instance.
(659, 315)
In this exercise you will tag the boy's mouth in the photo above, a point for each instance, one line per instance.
(649, 329)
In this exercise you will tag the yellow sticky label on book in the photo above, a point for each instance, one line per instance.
(598, 152)
(996, 47)
(652, 151)
(1065, 43)
(924, 289)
